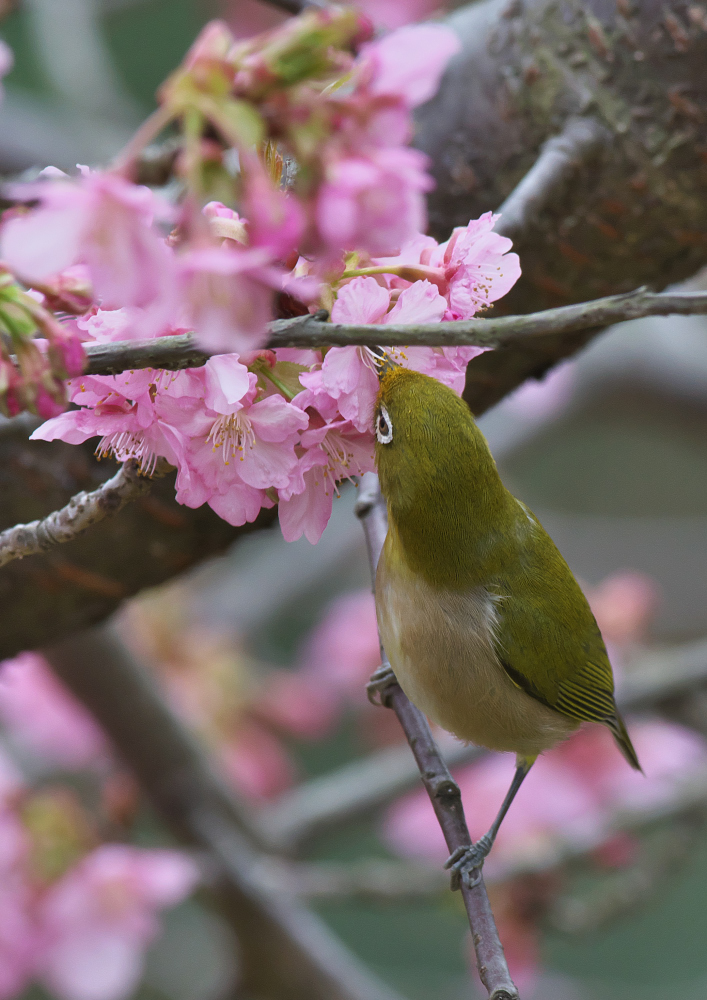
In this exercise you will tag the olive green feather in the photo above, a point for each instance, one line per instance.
(461, 529)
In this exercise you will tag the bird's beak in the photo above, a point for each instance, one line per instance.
(382, 361)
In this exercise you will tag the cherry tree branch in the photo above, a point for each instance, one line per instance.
(581, 140)
(440, 786)
(81, 512)
(181, 351)
(286, 950)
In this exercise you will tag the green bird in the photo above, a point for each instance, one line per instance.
(485, 627)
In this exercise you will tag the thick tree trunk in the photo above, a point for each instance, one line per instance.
(44, 598)
(637, 213)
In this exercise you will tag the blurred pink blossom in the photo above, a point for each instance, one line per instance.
(623, 605)
(19, 940)
(98, 919)
(373, 201)
(569, 794)
(276, 218)
(297, 703)
(409, 62)
(545, 398)
(343, 650)
(43, 716)
(104, 222)
(226, 297)
(256, 762)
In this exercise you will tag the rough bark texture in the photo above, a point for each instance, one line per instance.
(637, 213)
(43, 598)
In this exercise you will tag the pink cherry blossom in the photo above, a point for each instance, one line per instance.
(104, 222)
(276, 219)
(480, 270)
(44, 717)
(348, 374)
(256, 762)
(570, 794)
(238, 446)
(19, 940)
(108, 324)
(125, 411)
(409, 62)
(69, 290)
(334, 451)
(373, 202)
(344, 650)
(99, 918)
(226, 297)
(361, 300)
(420, 303)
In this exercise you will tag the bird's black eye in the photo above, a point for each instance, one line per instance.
(384, 428)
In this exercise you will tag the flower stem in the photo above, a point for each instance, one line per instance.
(262, 369)
(125, 161)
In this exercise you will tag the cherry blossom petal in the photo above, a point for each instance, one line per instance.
(409, 62)
(362, 300)
(420, 303)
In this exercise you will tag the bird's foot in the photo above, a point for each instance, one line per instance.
(380, 680)
(465, 863)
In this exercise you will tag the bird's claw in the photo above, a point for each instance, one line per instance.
(381, 679)
(465, 863)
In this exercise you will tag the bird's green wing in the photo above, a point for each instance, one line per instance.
(549, 642)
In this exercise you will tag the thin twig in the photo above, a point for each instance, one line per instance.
(82, 511)
(181, 351)
(560, 158)
(286, 951)
(440, 786)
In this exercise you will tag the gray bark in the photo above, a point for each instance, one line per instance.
(636, 212)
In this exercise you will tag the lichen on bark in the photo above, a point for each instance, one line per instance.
(637, 213)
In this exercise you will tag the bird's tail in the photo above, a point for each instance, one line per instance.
(623, 741)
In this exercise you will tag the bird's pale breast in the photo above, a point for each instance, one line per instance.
(440, 645)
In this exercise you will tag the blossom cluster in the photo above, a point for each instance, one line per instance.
(329, 213)
(332, 198)
(343, 120)
(246, 431)
(250, 430)
(77, 910)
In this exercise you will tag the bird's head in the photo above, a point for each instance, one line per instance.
(425, 435)
(437, 474)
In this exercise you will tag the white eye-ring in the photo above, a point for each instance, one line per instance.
(384, 427)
